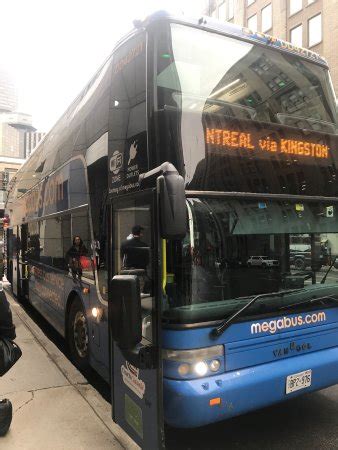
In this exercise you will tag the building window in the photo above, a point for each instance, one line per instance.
(267, 18)
(252, 23)
(315, 30)
(230, 9)
(222, 11)
(296, 36)
(250, 2)
(295, 6)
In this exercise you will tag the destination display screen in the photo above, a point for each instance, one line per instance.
(234, 139)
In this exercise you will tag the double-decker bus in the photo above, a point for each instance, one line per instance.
(199, 151)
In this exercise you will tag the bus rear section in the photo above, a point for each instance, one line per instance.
(240, 336)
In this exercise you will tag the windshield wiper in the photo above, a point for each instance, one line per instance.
(309, 302)
(216, 332)
(328, 270)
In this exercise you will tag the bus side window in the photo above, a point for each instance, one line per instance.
(33, 242)
(80, 227)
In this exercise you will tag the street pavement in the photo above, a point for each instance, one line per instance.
(54, 405)
(56, 408)
(309, 422)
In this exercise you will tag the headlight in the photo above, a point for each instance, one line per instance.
(196, 363)
(201, 368)
(215, 365)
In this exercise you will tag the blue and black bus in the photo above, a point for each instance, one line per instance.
(206, 149)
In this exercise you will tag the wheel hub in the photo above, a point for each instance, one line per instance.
(80, 333)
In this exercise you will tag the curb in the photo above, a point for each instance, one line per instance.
(100, 407)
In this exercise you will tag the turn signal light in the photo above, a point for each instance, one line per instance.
(215, 401)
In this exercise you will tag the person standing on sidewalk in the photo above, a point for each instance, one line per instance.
(7, 331)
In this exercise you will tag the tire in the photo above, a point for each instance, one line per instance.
(264, 265)
(299, 264)
(78, 335)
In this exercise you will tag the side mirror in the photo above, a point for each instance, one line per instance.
(173, 219)
(171, 189)
(126, 318)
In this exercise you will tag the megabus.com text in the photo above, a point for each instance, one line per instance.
(284, 323)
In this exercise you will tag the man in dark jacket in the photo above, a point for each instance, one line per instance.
(135, 252)
(135, 255)
(7, 330)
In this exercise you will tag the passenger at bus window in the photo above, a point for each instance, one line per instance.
(74, 255)
(33, 248)
(135, 252)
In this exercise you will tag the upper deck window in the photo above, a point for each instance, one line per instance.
(253, 82)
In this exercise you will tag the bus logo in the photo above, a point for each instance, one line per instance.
(116, 162)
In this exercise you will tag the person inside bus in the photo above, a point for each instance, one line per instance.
(135, 254)
(74, 255)
(7, 331)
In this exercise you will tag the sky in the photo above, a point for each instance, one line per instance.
(53, 47)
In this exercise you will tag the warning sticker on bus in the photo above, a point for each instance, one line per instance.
(130, 375)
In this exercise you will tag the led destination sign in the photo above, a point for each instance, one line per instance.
(241, 140)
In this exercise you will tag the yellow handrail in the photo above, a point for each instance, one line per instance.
(164, 265)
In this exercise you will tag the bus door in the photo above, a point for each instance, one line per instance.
(134, 316)
(9, 254)
(14, 267)
(22, 263)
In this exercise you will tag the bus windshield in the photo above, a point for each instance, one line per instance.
(200, 71)
(242, 117)
(237, 248)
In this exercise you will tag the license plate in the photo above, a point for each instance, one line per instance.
(298, 381)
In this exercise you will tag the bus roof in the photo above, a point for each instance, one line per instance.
(204, 22)
(229, 29)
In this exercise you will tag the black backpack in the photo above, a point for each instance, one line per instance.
(10, 352)
(7, 329)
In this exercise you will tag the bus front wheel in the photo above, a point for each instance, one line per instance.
(78, 335)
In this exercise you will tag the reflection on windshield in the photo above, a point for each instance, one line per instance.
(252, 82)
(240, 248)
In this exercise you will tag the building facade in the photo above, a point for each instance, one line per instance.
(18, 137)
(311, 24)
(8, 94)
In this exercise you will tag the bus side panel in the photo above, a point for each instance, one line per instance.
(46, 294)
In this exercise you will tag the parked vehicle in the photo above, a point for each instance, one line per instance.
(263, 261)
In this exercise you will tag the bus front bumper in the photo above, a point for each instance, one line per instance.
(187, 402)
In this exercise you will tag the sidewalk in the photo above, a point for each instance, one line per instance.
(54, 406)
